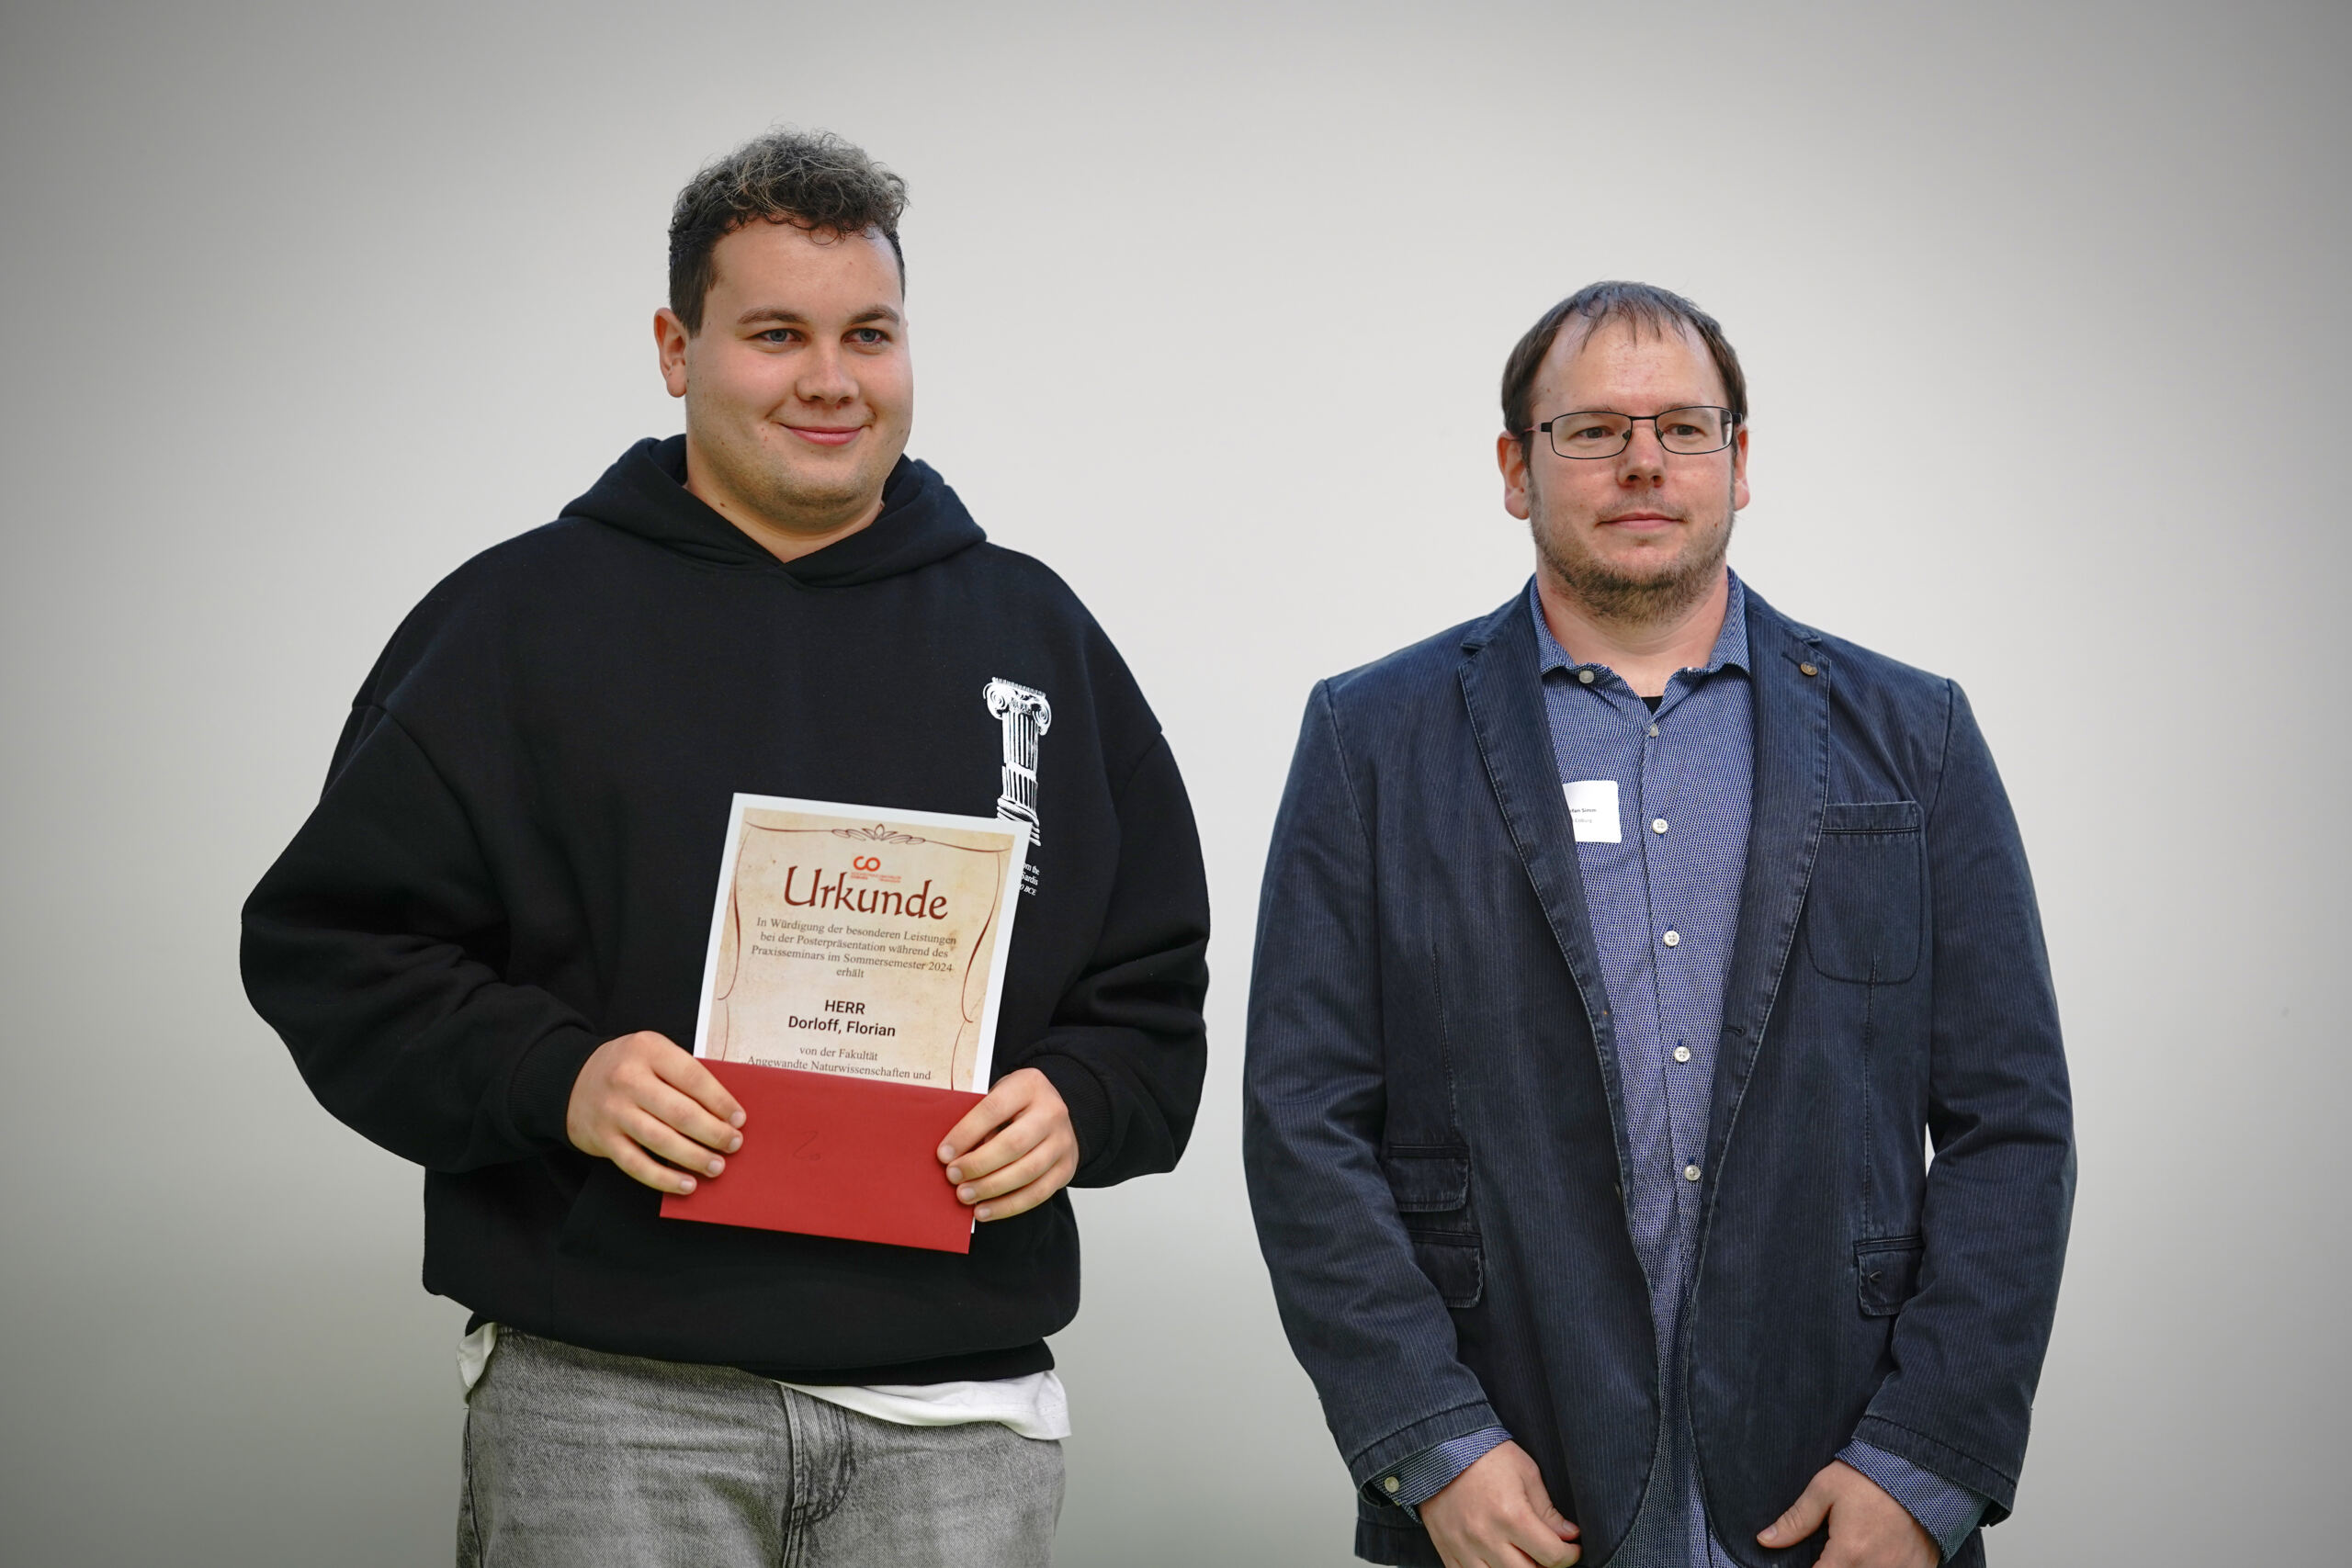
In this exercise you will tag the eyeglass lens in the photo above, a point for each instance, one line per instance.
(1597, 433)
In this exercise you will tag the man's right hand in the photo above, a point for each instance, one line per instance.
(1496, 1515)
(641, 1101)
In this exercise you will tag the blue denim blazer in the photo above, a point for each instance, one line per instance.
(1435, 1140)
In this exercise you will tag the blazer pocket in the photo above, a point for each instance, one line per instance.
(1886, 1273)
(1456, 1265)
(1428, 1180)
(1431, 1185)
(1865, 910)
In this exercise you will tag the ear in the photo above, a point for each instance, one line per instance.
(670, 339)
(1510, 456)
(1739, 468)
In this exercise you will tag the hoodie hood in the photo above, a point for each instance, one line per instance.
(645, 493)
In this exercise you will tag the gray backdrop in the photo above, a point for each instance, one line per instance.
(2043, 310)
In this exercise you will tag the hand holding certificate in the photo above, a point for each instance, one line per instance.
(850, 943)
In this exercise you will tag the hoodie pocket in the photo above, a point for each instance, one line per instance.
(1864, 910)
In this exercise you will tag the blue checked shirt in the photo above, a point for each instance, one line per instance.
(1662, 881)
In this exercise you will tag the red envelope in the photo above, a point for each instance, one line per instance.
(825, 1154)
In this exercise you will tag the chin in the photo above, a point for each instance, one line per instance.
(1649, 568)
(818, 492)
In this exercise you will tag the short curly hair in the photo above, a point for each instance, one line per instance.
(1646, 305)
(811, 179)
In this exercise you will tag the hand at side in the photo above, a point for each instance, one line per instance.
(1496, 1515)
(641, 1101)
(1867, 1528)
(1014, 1149)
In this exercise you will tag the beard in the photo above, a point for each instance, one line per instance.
(1644, 596)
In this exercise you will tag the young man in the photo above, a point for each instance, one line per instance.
(1619, 952)
(484, 947)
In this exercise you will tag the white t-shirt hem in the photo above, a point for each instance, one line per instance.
(1034, 1406)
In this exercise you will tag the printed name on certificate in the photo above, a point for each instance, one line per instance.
(853, 939)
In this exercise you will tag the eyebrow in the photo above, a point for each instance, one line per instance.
(793, 318)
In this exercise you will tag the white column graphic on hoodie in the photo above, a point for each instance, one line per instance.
(1026, 716)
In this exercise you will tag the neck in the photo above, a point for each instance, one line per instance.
(1645, 652)
(788, 538)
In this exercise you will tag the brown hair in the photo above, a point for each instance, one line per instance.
(1642, 303)
(813, 180)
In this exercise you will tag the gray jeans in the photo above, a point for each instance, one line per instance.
(575, 1459)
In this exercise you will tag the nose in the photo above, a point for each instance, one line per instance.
(825, 378)
(1643, 462)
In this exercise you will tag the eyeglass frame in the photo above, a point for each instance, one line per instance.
(1732, 423)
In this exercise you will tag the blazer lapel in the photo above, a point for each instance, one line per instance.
(1503, 689)
(1790, 677)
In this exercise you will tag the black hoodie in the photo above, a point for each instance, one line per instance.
(514, 859)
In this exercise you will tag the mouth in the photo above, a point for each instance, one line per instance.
(1644, 522)
(826, 434)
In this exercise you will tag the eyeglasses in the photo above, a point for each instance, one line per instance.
(1599, 432)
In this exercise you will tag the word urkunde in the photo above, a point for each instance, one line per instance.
(838, 895)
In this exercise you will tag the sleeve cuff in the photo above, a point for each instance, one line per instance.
(1945, 1509)
(538, 1092)
(1419, 1477)
(1082, 1091)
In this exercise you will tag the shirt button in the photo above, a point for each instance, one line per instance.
(1653, 731)
(1673, 939)
(1586, 676)
(1394, 1484)
(1657, 824)
(1689, 1173)
(1682, 1053)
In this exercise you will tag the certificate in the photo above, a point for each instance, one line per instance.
(853, 940)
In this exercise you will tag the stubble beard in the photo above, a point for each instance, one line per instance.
(1608, 593)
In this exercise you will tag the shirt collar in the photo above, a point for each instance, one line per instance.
(1731, 643)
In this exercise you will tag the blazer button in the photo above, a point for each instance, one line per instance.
(1807, 670)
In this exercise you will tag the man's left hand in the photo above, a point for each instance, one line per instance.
(1014, 1149)
(1867, 1528)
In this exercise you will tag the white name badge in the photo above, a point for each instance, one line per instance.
(1592, 807)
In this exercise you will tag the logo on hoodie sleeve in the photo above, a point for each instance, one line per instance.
(1026, 716)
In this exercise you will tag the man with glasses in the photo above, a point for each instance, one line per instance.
(1619, 956)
